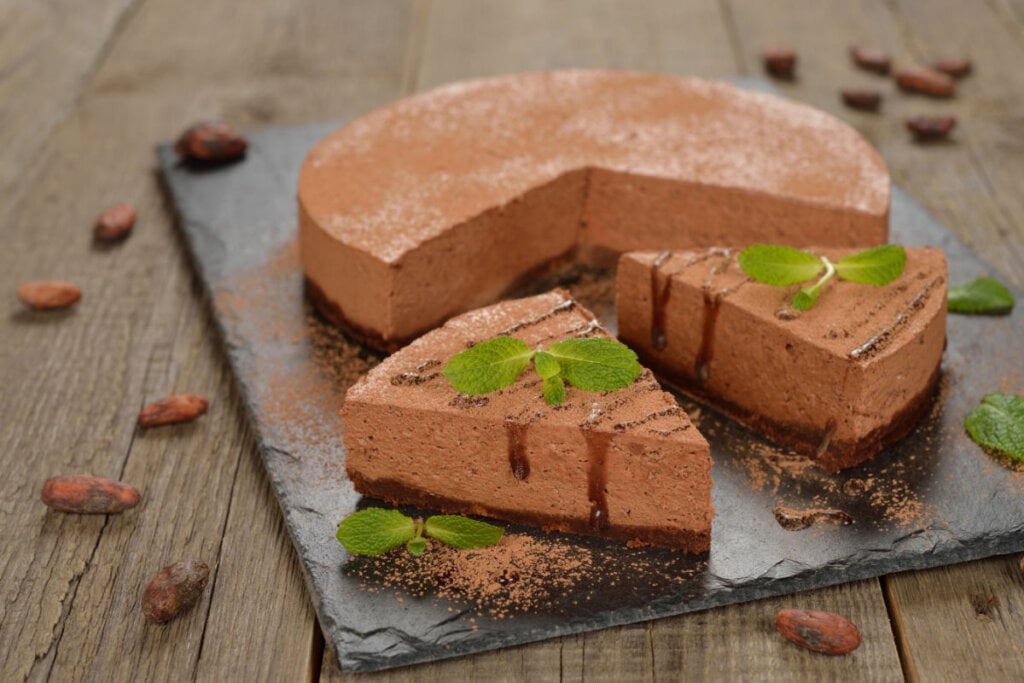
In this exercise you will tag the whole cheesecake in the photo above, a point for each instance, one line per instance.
(625, 464)
(836, 382)
(442, 202)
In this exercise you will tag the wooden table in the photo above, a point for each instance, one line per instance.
(86, 91)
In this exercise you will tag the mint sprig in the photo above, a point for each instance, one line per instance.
(375, 531)
(591, 364)
(982, 295)
(997, 423)
(782, 266)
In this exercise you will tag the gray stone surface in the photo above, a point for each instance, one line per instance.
(934, 498)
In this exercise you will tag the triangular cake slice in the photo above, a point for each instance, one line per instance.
(626, 464)
(837, 382)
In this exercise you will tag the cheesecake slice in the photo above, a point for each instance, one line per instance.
(626, 464)
(837, 382)
(489, 181)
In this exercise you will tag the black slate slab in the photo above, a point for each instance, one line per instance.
(934, 498)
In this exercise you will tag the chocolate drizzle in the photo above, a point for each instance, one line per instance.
(415, 376)
(517, 460)
(707, 341)
(563, 307)
(880, 340)
(659, 300)
(795, 520)
(597, 476)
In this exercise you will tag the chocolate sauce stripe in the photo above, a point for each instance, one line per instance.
(882, 338)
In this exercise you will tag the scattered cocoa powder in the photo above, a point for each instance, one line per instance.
(173, 410)
(115, 223)
(822, 632)
(211, 142)
(780, 62)
(174, 590)
(87, 495)
(45, 295)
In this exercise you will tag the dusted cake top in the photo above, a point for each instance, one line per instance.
(405, 173)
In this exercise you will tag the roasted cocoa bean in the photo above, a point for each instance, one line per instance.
(925, 82)
(823, 632)
(862, 99)
(780, 62)
(115, 223)
(174, 589)
(926, 128)
(871, 59)
(87, 495)
(957, 67)
(44, 295)
(211, 142)
(172, 410)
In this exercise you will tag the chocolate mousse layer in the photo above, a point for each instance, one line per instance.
(837, 382)
(626, 464)
(438, 203)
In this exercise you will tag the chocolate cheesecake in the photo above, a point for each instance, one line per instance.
(625, 464)
(836, 382)
(443, 201)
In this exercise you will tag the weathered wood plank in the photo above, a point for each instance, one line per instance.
(47, 53)
(466, 39)
(75, 381)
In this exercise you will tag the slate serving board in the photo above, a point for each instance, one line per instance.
(932, 499)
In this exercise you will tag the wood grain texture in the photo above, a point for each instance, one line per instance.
(75, 381)
(48, 50)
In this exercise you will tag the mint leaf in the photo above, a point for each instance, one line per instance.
(980, 295)
(462, 532)
(596, 364)
(416, 546)
(488, 366)
(546, 364)
(998, 423)
(875, 266)
(375, 531)
(805, 298)
(778, 265)
(554, 390)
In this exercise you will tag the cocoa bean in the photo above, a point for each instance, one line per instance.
(174, 589)
(172, 410)
(45, 295)
(871, 59)
(823, 632)
(928, 128)
(957, 67)
(115, 223)
(779, 62)
(862, 99)
(925, 82)
(211, 142)
(87, 495)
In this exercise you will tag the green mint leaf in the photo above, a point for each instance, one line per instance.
(777, 265)
(805, 298)
(554, 390)
(596, 364)
(488, 366)
(875, 266)
(998, 423)
(375, 531)
(980, 295)
(546, 364)
(416, 546)
(462, 532)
